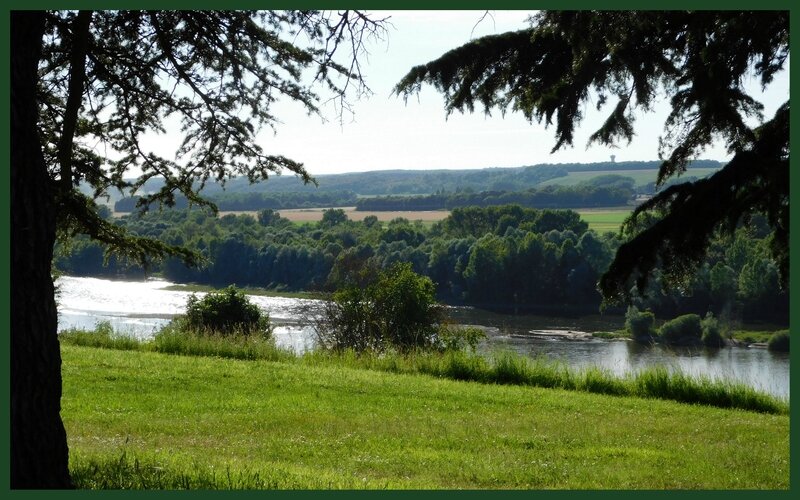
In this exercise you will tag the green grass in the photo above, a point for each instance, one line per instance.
(151, 420)
(502, 368)
(103, 336)
(248, 347)
(616, 334)
(508, 368)
(604, 220)
(754, 336)
(169, 340)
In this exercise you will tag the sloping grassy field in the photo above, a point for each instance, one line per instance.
(640, 177)
(150, 420)
(604, 220)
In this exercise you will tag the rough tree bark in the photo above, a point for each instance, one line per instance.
(39, 454)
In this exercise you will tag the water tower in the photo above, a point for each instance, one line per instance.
(613, 157)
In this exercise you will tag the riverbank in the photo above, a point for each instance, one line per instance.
(141, 309)
(743, 335)
(503, 367)
(152, 420)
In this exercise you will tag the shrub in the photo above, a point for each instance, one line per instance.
(712, 334)
(226, 312)
(640, 324)
(684, 329)
(779, 341)
(452, 338)
(348, 322)
(397, 309)
(406, 306)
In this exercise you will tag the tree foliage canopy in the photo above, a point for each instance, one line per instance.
(109, 78)
(86, 89)
(700, 60)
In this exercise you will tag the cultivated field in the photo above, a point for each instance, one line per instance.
(599, 219)
(315, 214)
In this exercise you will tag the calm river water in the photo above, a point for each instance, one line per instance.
(140, 308)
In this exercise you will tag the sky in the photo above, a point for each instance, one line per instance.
(386, 132)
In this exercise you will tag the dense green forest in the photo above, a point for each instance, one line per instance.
(507, 258)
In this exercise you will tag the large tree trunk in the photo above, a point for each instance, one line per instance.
(39, 455)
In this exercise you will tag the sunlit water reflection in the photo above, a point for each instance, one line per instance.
(140, 308)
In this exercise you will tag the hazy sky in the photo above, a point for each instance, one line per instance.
(388, 133)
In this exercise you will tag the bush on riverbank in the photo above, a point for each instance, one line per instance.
(779, 341)
(226, 312)
(395, 309)
(712, 333)
(683, 330)
(640, 324)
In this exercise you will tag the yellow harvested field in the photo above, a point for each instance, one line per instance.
(315, 214)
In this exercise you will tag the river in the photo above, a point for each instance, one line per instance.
(140, 308)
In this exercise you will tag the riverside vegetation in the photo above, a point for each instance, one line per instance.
(393, 397)
(506, 258)
(199, 407)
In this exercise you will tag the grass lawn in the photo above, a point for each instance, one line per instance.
(151, 420)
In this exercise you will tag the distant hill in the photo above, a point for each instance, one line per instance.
(384, 182)
(425, 182)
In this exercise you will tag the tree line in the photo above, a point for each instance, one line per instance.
(581, 196)
(508, 258)
(601, 191)
(609, 190)
(252, 201)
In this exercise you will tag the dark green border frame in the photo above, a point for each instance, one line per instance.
(5, 242)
